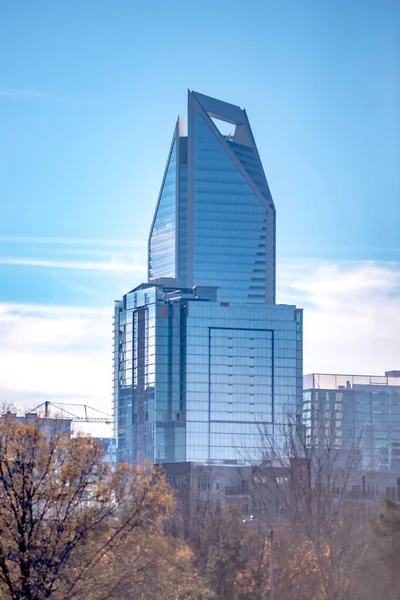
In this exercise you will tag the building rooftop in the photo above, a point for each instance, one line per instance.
(325, 381)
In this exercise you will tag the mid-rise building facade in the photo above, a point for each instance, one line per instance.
(355, 411)
(198, 378)
(203, 357)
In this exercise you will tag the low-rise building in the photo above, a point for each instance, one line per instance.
(198, 484)
(47, 425)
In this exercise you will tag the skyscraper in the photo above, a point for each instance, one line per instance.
(215, 219)
(203, 357)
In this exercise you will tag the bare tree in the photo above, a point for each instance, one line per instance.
(308, 490)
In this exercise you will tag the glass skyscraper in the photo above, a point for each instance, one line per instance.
(215, 219)
(355, 411)
(203, 357)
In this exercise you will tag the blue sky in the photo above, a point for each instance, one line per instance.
(89, 94)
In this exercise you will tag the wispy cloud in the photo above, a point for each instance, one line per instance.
(61, 253)
(56, 311)
(112, 265)
(17, 93)
(79, 265)
(70, 241)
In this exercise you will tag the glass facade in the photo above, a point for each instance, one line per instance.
(199, 377)
(203, 357)
(162, 241)
(355, 411)
(229, 223)
(183, 211)
(216, 209)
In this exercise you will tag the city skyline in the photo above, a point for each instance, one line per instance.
(78, 136)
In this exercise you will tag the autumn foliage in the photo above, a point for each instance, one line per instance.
(71, 528)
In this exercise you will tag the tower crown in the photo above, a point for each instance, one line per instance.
(214, 222)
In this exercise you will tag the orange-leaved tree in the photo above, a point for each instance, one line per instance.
(69, 524)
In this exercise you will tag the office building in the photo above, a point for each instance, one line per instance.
(203, 357)
(355, 412)
(214, 222)
(197, 377)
